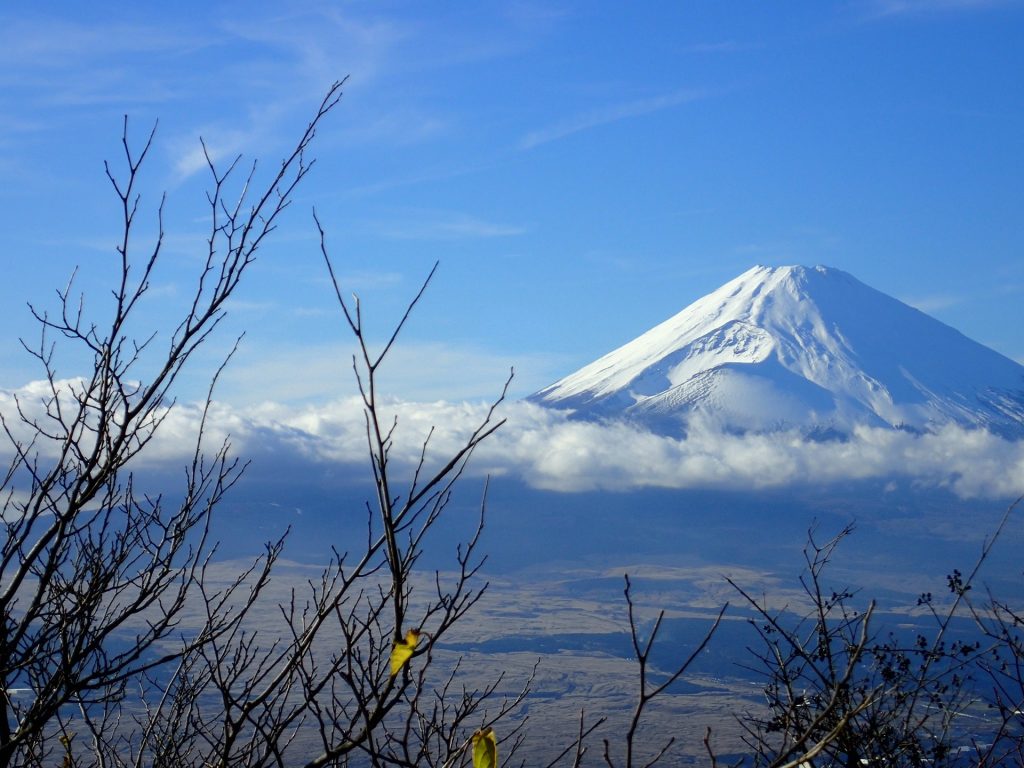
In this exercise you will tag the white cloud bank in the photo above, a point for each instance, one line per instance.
(548, 450)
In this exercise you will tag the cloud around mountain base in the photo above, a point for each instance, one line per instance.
(549, 450)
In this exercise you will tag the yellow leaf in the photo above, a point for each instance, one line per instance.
(402, 651)
(485, 749)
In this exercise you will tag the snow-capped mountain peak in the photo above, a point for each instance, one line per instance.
(808, 347)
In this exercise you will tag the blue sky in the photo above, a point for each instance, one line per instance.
(581, 170)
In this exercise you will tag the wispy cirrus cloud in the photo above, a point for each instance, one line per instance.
(222, 145)
(935, 302)
(51, 43)
(446, 225)
(285, 62)
(322, 41)
(606, 115)
(401, 126)
(877, 9)
(55, 62)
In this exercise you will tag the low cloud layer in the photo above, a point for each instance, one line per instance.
(549, 450)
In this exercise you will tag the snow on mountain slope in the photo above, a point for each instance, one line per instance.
(803, 347)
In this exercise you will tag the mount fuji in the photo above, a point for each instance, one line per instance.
(810, 348)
